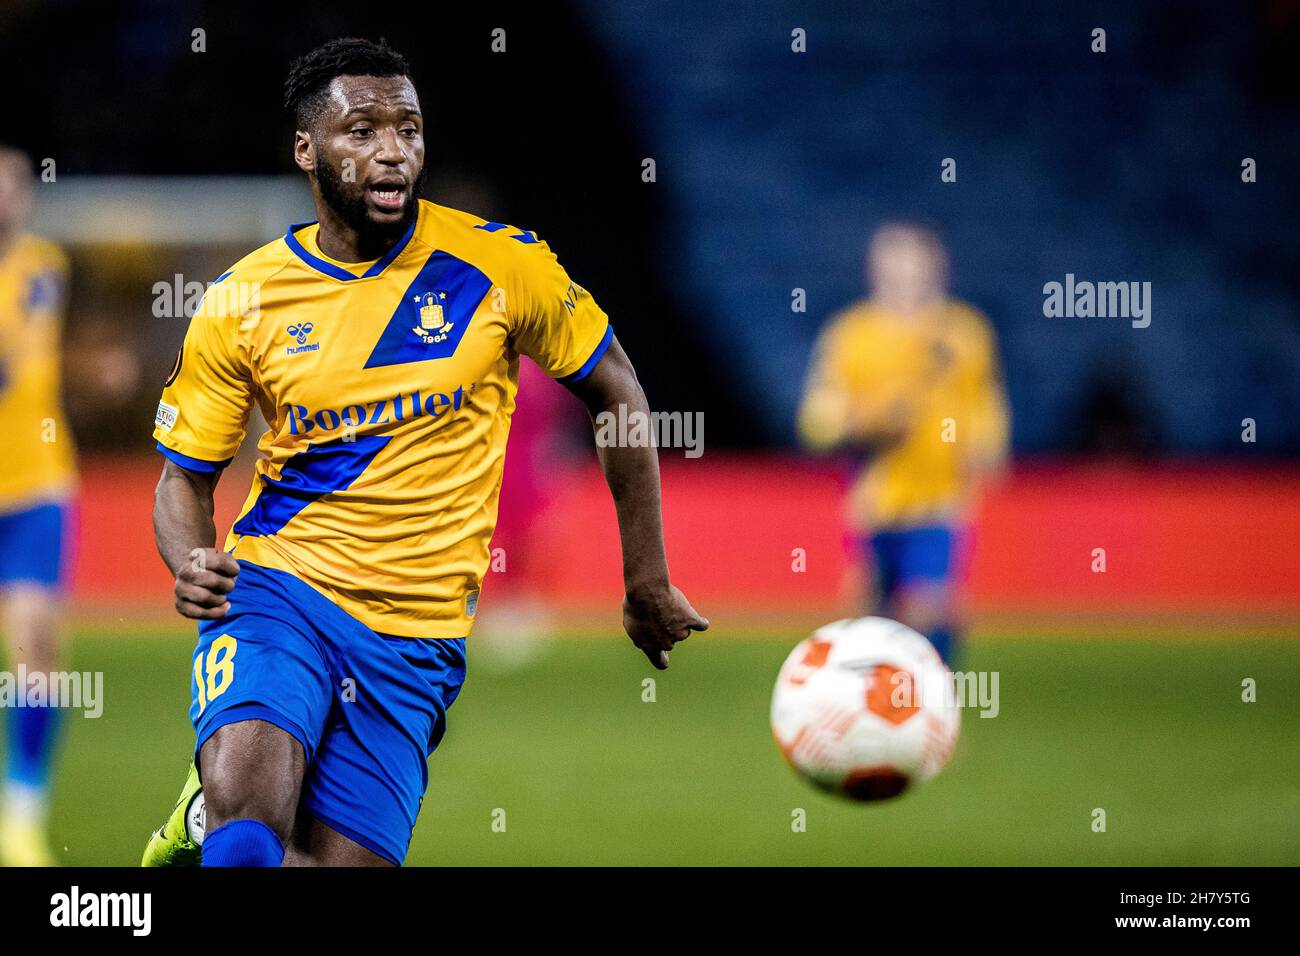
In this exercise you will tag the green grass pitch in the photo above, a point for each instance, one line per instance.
(586, 772)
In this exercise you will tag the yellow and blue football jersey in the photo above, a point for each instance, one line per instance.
(936, 375)
(39, 460)
(388, 388)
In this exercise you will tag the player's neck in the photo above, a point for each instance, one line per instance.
(342, 243)
(909, 308)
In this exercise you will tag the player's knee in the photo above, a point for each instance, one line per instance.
(923, 609)
(32, 618)
(225, 802)
(252, 770)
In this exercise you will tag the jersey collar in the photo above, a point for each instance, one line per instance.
(336, 272)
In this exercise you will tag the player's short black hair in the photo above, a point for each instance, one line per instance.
(311, 74)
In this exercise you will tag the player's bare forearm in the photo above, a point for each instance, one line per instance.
(182, 514)
(632, 473)
(655, 614)
(186, 536)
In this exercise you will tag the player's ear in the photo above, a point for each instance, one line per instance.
(304, 151)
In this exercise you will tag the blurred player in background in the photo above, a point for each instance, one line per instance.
(908, 380)
(36, 488)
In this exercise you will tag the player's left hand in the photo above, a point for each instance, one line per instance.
(657, 618)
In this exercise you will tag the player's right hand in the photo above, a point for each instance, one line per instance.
(658, 617)
(202, 585)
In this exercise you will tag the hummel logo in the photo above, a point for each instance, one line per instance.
(300, 331)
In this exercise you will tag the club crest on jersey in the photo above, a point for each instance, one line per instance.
(433, 326)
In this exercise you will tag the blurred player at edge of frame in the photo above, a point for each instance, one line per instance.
(36, 490)
(908, 380)
(384, 350)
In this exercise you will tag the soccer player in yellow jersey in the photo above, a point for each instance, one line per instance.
(908, 379)
(382, 345)
(36, 487)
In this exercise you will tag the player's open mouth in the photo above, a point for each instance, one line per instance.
(391, 198)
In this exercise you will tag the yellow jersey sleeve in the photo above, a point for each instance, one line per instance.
(982, 393)
(208, 396)
(824, 411)
(554, 321)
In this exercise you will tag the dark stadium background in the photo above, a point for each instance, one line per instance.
(772, 168)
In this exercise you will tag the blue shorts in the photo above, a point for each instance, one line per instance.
(912, 556)
(33, 545)
(368, 708)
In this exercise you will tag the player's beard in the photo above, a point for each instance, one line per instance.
(348, 202)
